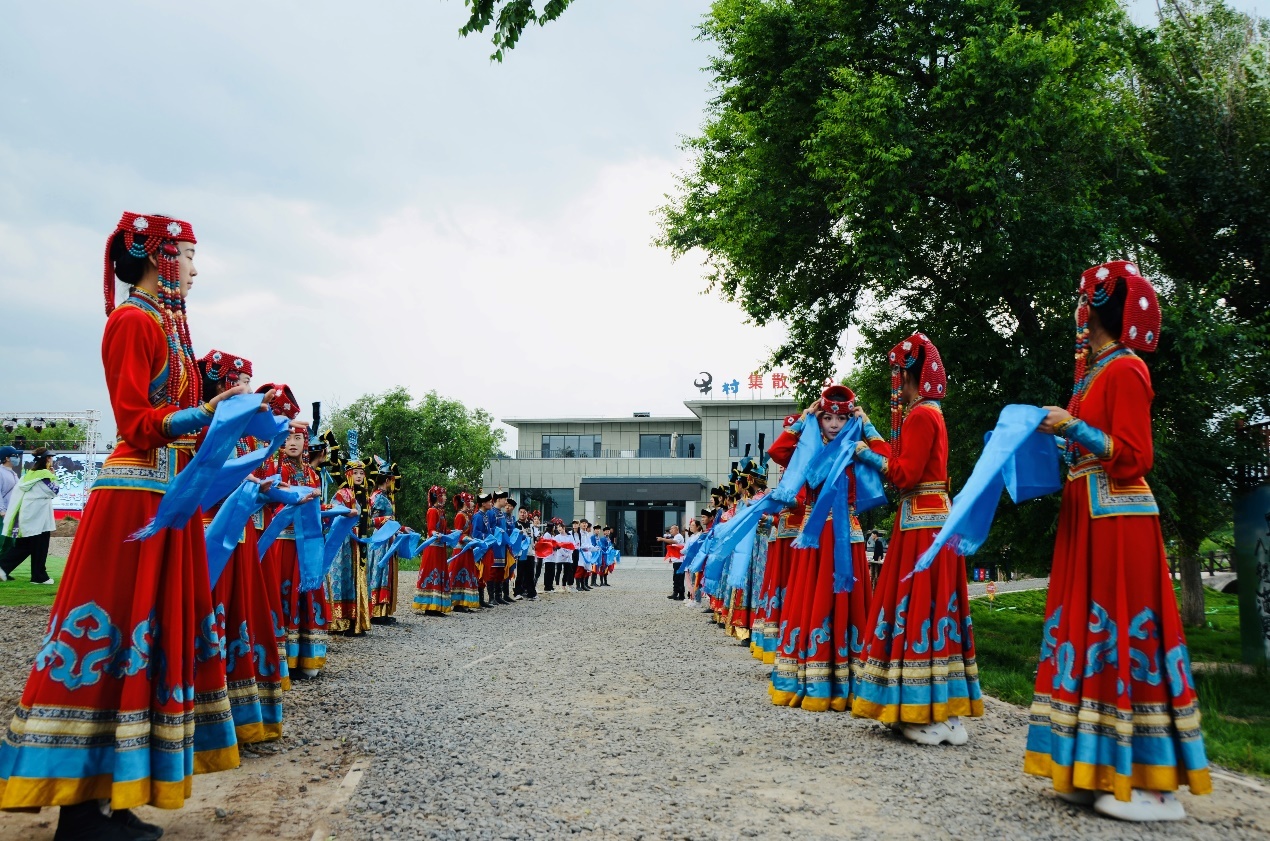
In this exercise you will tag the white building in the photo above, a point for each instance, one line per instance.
(637, 474)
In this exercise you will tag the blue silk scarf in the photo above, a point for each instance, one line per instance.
(1016, 458)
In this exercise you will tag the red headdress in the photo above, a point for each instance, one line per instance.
(224, 367)
(932, 380)
(435, 493)
(1140, 326)
(284, 402)
(157, 236)
(462, 500)
(837, 400)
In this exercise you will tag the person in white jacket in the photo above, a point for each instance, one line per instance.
(29, 520)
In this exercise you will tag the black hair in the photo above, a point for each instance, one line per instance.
(211, 387)
(128, 268)
(914, 371)
(1111, 312)
(40, 460)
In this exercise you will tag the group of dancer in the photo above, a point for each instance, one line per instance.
(149, 672)
(1114, 723)
(170, 646)
(496, 554)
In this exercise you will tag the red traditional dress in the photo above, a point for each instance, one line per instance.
(920, 666)
(822, 633)
(767, 624)
(465, 578)
(253, 668)
(1115, 707)
(432, 589)
(307, 616)
(131, 659)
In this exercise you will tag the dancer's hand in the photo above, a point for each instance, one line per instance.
(228, 393)
(1055, 419)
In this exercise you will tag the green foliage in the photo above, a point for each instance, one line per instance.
(60, 437)
(952, 167)
(1236, 719)
(434, 441)
(513, 17)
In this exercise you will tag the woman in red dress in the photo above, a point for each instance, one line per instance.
(432, 590)
(465, 578)
(821, 635)
(252, 665)
(306, 615)
(132, 655)
(1115, 716)
(920, 673)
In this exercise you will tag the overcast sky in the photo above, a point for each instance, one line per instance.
(376, 203)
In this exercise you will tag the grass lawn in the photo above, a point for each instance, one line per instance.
(22, 591)
(1235, 703)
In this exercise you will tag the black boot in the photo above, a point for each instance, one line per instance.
(140, 830)
(85, 822)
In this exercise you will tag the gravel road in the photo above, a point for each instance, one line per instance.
(620, 714)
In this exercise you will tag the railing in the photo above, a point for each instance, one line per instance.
(1211, 562)
(537, 454)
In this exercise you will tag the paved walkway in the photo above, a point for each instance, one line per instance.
(615, 714)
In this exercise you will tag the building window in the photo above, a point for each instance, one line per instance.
(571, 446)
(654, 446)
(549, 502)
(689, 446)
(752, 438)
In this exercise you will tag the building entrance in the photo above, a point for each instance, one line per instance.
(638, 524)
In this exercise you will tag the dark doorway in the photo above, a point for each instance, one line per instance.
(637, 525)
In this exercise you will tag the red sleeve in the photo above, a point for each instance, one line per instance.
(917, 440)
(134, 351)
(434, 520)
(1129, 395)
(782, 449)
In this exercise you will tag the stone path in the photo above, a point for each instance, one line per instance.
(613, 714)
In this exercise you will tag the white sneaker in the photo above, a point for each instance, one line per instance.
(957, 733)
(309, 673)
(1079, 797)
(50, 581)
(934, 734)
(1143, 806)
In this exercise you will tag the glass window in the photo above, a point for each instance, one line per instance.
(571, 446)
(689, 446)
(549, 502)
(654, 446)
(758, 436)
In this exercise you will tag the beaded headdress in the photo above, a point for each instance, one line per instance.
(462, 500)
(1140, 326)
(932, 381)
(435, 493)
(225, 367)
(157, 236)
(283, 403)
(837, 400)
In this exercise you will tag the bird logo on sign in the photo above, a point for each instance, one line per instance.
(706, 384)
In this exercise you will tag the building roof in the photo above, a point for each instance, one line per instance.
(693, 405)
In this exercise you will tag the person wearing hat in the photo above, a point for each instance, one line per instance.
(465, 577)
(29, 520)
(347, 581)
(382, 578)
(10, 458)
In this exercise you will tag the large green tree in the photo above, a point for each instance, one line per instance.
(1202, 79)
(951, 166)
(434, 441)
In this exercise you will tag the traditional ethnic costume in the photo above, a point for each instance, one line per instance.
(822, 632)
(131, 660)
(921, 668)
(1115, 708)
(432, 590)
(253, 668)
(348, 592)
(306, 615)
(765, 628)
(382, 577)
(465, 578)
